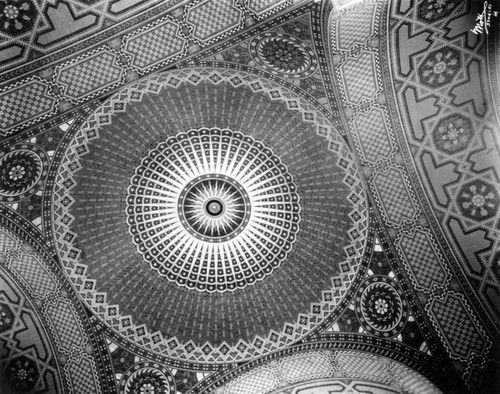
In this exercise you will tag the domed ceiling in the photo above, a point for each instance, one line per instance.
(248, 197)
(262, 210)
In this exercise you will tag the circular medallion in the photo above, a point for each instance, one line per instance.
(380, 308)
(16, 16)
(22, 171)
(213, 210)
(147, 378)
(283, 54)
(194, 241)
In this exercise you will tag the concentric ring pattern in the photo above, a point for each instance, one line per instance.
(238, 188)
(213, 209)
(22, 171)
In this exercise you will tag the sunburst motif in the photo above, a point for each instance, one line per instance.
(213, 210)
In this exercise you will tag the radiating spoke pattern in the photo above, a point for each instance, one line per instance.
(213, 210)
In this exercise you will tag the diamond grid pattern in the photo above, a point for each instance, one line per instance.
(371, 131)
(32, 271)
(90, 75)
(259, 6)
(259, 381)
(212, 17)
(359, 76)
(154, 45)
(360, 365)
(463, 338)
(65, 323)
(393, 197)
(428, 270)
(6, 243)
(24, 104)
(305, 367)
(355, 27)
(80, 374)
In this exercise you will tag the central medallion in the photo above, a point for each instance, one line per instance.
(214, 207)
(213, 210)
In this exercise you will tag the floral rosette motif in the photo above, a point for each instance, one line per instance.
(478, 200)
(22, 171)
(440, 67)
(147, 378)
(380, 308)
(284, 55)
(22, 374)
(452, 134)
(16, 16)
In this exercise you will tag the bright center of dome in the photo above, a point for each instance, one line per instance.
(213, 210)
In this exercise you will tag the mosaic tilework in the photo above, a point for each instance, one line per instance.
(66, 324)
(90, 75)
(65, 28)
(449, 130)
(258, 381)
(25, 343)
(57, 315)
(266, 376)
(355, 27)
(56, 30)
(37, 278)
(463, 339)
(171, 346)
(82, 375)
(260, 7)
(372, 145)
(154, 45)
(25, 103)
(423, 260)
(308, 366)
(357, 90)
(23, 170)
(205, 16)
(433, 108)
(393, 197)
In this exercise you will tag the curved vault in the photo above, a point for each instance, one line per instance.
(176, 288)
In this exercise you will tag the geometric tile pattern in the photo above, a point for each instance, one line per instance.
(154, 45)
(308, 366)
(21, 332)
(370, 130)
(361, 366)
(459, 329)
(67, 326)
(171, 346)
(37, 278)
(260, 7)
(356, 89)
(333, 366)
(393, 197)
(73, 27)
(56, 311)
(82, 375)
(258, 381)
(437, 106)
(89, 75)
(355, 27)
(24, 104)
(210, 18)
(423, 260)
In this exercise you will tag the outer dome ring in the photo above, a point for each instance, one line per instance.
(160, 343)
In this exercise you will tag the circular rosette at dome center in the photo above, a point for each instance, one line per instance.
(209, 198)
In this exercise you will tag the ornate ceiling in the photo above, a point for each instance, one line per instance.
(249, 197)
